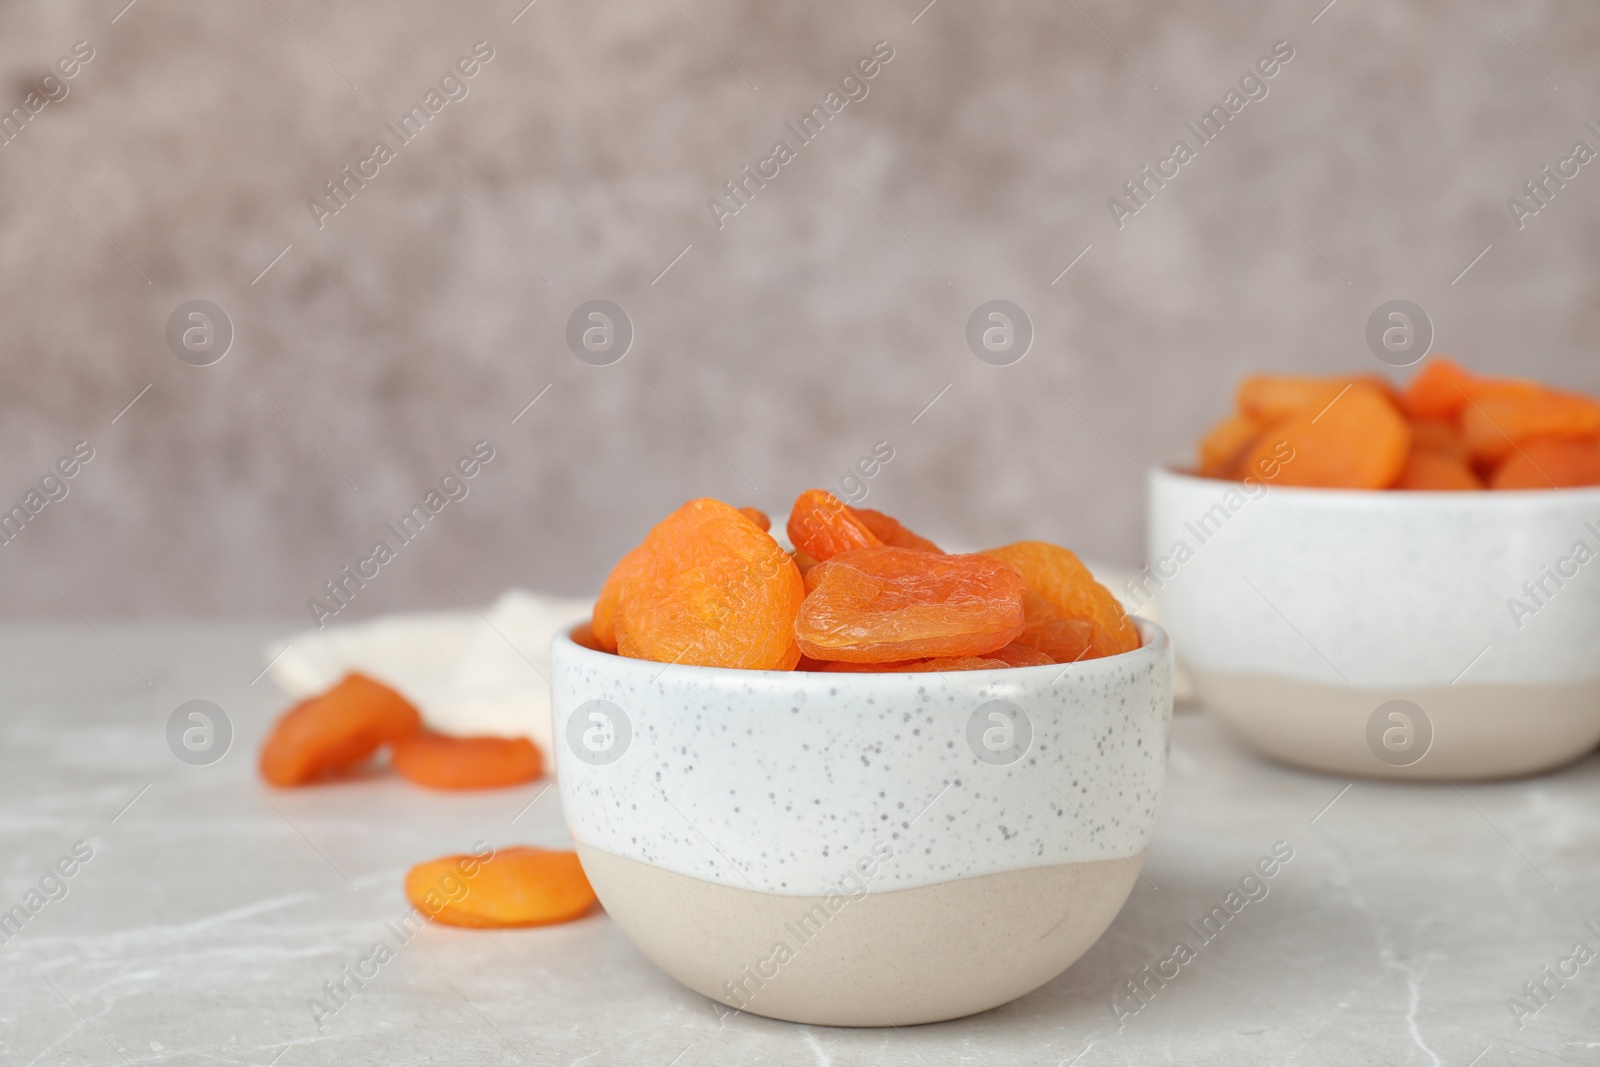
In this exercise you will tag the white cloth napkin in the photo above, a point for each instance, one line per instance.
(468, 674)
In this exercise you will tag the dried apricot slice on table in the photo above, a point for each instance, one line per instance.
(1549, 463)
(887, 604)
(821, 525)
(1357, 441)
(517, 886)
(757, 516)
(335, 731)
(1071, 616)
(440, 761)
(888, 530)
(708, 588)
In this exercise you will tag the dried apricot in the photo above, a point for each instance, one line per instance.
(1493, 424)
(603, 623)
(1443, 390)
(1017, 654)
(821, 525)
(1225, 443)
(1549, 463)
(335, 731)
(1439, 390)
(916, 666)
(883, 604)
(757, 516)
(1065, 588)
(1063, 639)
(1439, 436)
(439, 761)
(888, 530)
(1270, 398)
(1426, 469)
(1358, 441)
(708, 588)
(517, 886)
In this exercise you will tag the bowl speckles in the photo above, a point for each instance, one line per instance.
(1011, 807)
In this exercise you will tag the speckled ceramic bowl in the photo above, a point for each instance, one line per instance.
(1387, 634)
(862, 849)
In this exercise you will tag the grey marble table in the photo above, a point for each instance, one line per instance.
(211, 913)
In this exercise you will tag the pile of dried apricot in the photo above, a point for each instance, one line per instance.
(859, 592)
(337, 732)
(1448, 429)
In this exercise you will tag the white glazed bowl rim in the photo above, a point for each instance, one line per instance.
(1397, 499)
(1156, 644)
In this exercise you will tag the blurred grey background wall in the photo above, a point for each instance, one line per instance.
(373, 347)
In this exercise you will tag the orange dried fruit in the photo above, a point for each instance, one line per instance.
(335, 731)
(709, 588)
(1225, 443)
(1443, 389)
(1358, 441)
(1066, 590)
(886, 604)
(1064, 639)
(1017, 654)
(439, 761)
(821, 525)
(1438, 436)
(603, 622)
(1492, 425)
(1426, 469)
(517, 886)
(757, 516)
(888, 530)
(1270, 398)
(1439, 390)
(917, 666)
(1549, 463)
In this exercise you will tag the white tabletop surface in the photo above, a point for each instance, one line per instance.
(212, 912)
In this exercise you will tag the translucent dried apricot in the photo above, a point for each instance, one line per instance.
(757, 516)
(1493, 425)
(1549, 463)
(709, 588)
(1225, 443)
(821, 525)
(883, 604)
(335, 731)
(1064, 639)
(1017, 654)
(439, 761)
(1359, 441)
(1065, 587)
(517, 886)
(1426, 469)
(888, 530)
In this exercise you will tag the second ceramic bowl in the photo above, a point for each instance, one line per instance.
(862, 849)
(1387, 634)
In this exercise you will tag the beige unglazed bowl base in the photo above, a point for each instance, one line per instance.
(888, 958)
(1479, 731)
